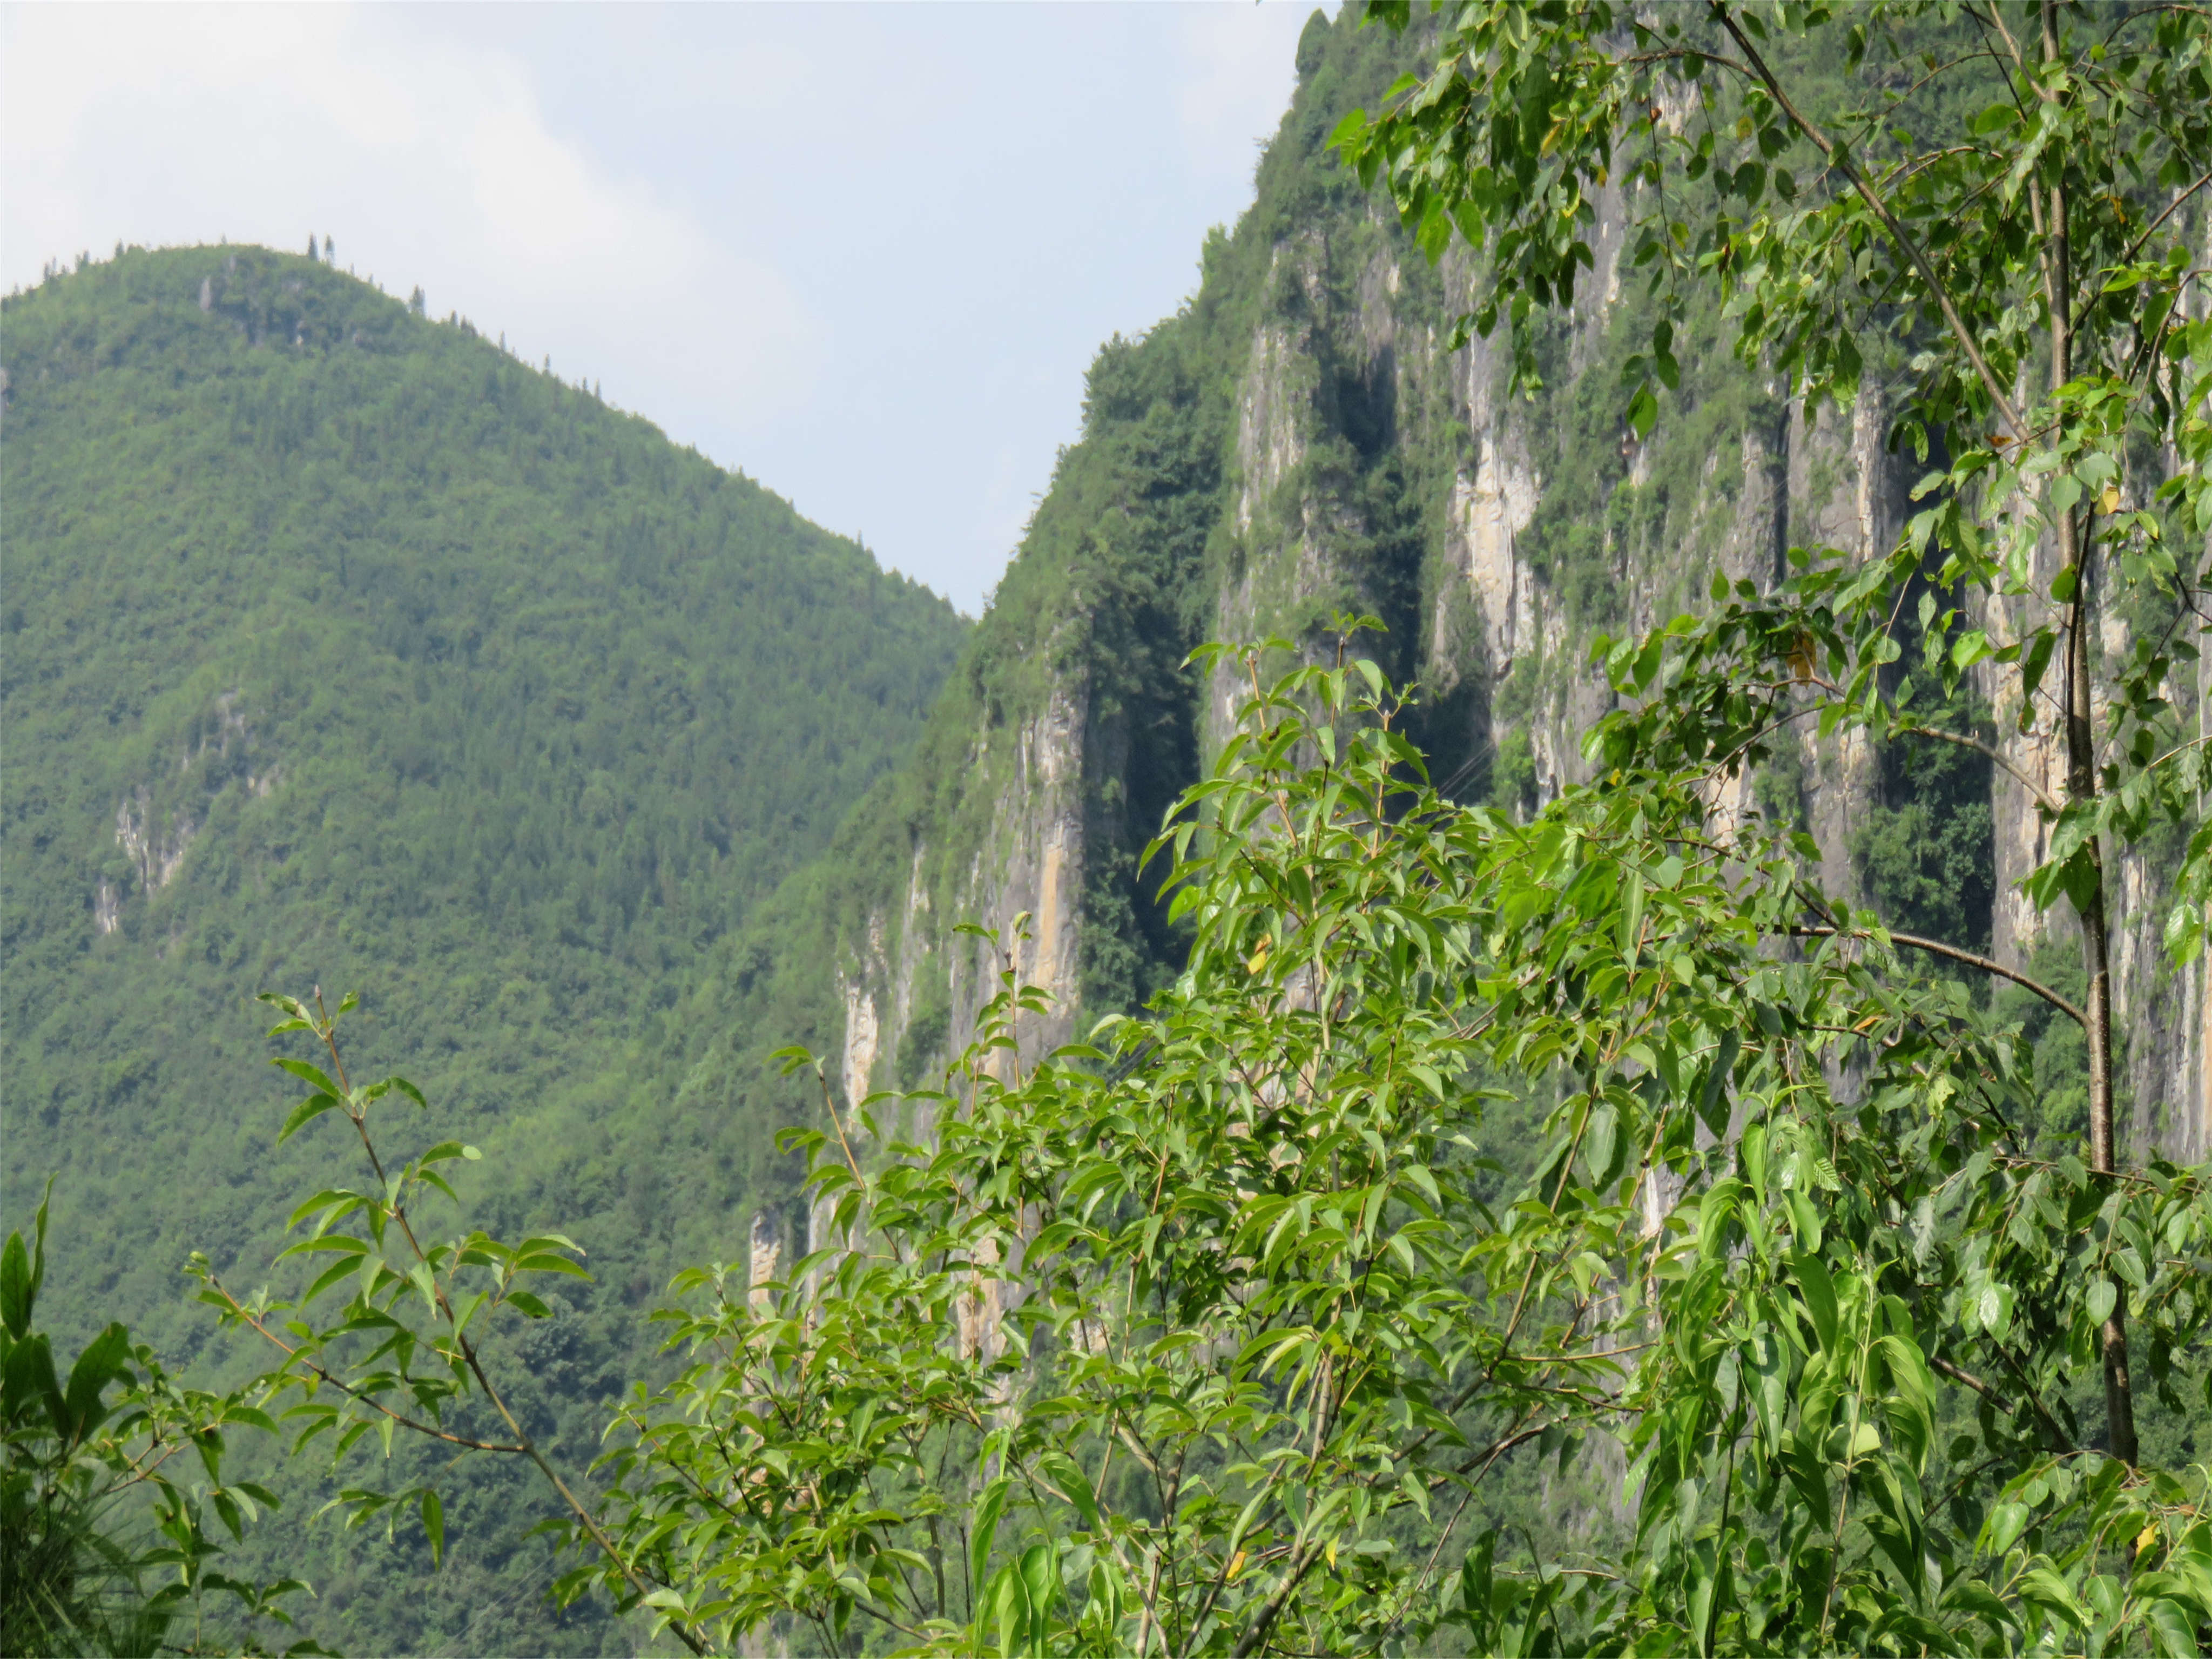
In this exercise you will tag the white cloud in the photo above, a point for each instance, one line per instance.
(862, 251)
(428, 159)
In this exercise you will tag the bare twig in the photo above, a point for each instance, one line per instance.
(1937, 948)
(1897, 233)
(1989, 752)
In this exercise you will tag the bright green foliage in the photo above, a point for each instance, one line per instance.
(95, 1499)
(1930, 206)
(2006, 196)
(1204, 1341)
(397, 1344)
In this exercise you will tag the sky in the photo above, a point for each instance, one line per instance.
(862, 252)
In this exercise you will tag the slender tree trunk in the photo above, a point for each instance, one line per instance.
(2082, 786)
(2081, 790)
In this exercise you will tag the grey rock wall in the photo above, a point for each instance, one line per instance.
(1344, 380)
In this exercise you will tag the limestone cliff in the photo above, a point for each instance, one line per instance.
(1298, 440)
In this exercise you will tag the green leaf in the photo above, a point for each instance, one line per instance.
(2032, 668)
(1970, 649)
(2006, 1524)
(304, 1114)
(326, 1245)
(1040, 1570)
(2047, 1589)
(1067, 1474)
(1712, 1104)
(1007, 1598)
(2173, 1623)
(1804, 1220)
(986, 1528)
(2102, 1297)
(328, 1198)
(1972, 1595)
(1643, 412)
(1995, 1309)
(15, 1295)
(1705, 1576)
(791, 1059)
(1475, 1587)
(309, 1074)
(103, 1359)
(30, 1382)
(1819, 1294)
(546, 1263)
(335, 1273)
(1601, 1144)
(433, 1525)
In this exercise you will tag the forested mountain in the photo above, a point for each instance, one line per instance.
(340, 647)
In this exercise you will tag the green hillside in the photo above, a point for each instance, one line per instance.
(340, 647)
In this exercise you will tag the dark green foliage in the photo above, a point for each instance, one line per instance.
(63, 1581)
(1266, 1280)
(104, 1542)
(1927, 852)
(2062, 1054)
(1513, 777)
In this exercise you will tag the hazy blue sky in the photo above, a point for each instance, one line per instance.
(863, 253)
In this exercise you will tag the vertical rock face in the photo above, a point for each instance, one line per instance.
(1360, 467)
(1033, 869)
(1487, 513)
(2164, 1015)
(156, 852)
(862, 1034)
(763, 1260)
(1023, 883)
